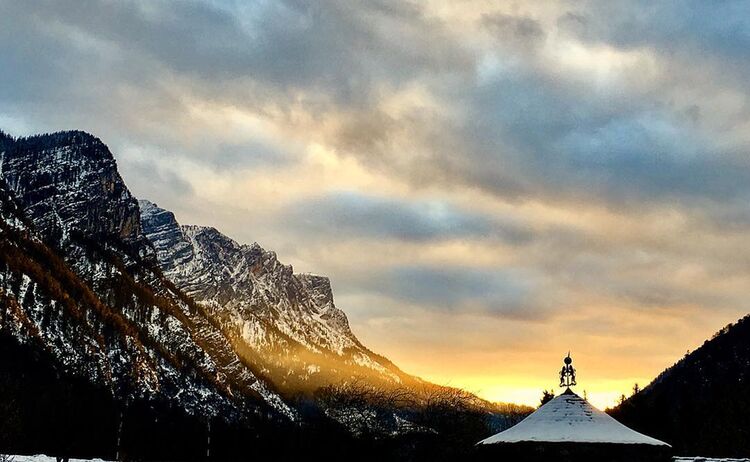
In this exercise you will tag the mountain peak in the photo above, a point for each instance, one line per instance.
(118, 306)
(320, 285)
(69, 183)
(147, 206)
(209, 231)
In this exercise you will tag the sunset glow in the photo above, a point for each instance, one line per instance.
(488, 185)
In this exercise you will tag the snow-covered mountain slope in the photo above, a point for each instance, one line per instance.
(79, 276)
(285, 321)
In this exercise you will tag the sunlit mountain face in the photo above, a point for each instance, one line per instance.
(486, 185)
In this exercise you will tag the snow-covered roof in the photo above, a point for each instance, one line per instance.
(570, 418)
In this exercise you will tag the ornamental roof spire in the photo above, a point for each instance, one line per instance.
(568, 373)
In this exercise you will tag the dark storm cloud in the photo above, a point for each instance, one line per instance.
(348, 214)
(531, 132)
(510, 293)
(131, 64)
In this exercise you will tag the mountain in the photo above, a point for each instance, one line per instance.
(124, 334)
(283, 321)
(700, 405)
(80, 285)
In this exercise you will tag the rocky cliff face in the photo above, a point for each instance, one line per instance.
(286, 322)
(79, 277)
(69, 182)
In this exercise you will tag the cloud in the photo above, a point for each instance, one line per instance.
(152, 179)
(502, 292)
(519, 31)
(530, 130)
(685, 25)
(528, 166)
(350, 214)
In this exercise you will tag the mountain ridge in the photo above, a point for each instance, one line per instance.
(263, 302)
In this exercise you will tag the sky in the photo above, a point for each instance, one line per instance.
(488, 184)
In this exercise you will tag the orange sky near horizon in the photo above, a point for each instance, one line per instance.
(519, 377)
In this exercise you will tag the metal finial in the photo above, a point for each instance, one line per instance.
(568, 372)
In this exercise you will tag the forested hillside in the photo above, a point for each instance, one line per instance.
(701, 404)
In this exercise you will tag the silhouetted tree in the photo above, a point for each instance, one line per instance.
(547, 396)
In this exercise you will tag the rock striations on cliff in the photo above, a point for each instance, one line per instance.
(285, 322)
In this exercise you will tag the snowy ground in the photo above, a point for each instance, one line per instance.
(704, 459)
(43, 458)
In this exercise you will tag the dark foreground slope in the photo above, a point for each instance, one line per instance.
(702, 403)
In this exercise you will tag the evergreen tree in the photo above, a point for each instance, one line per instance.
(547, 396)
(636, 389)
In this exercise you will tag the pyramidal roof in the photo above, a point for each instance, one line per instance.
(569, 418)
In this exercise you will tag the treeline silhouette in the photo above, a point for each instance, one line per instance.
(47, 140)
(701, 404)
